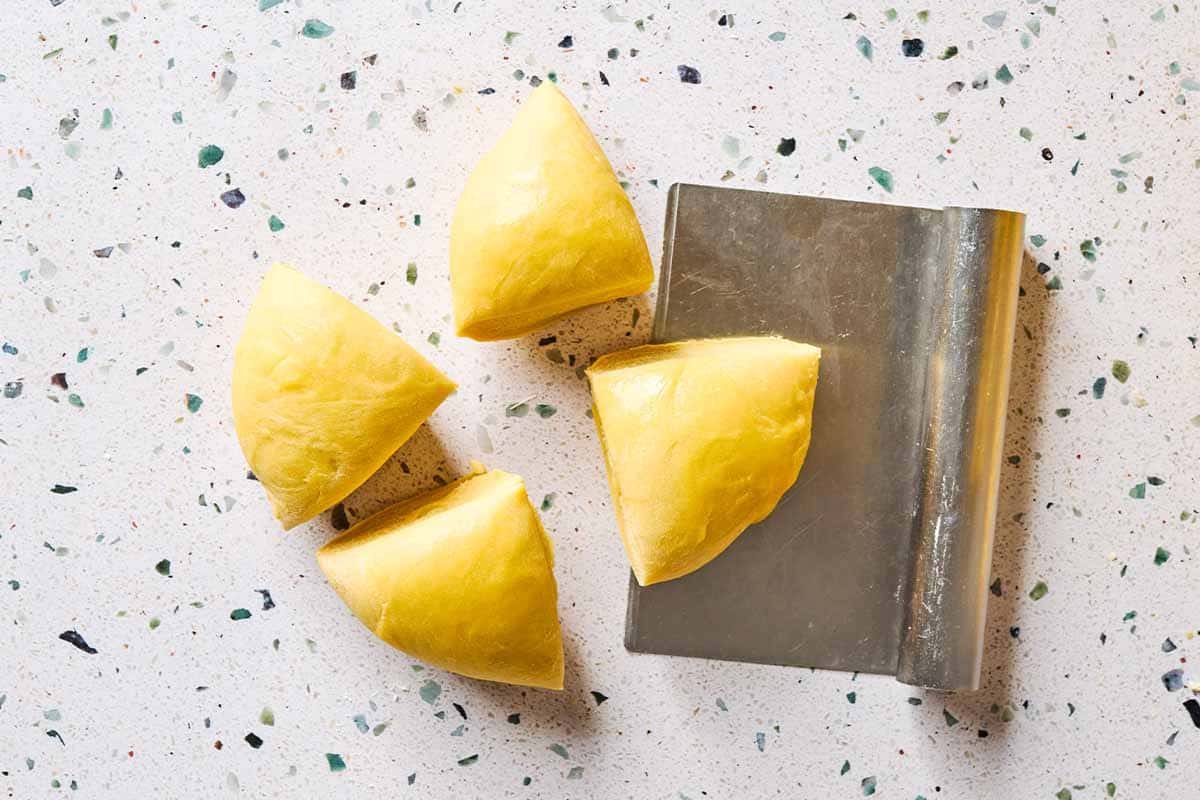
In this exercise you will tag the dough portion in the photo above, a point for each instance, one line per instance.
(323, 394)
(542, 227)
(461, 577)
(701, 439)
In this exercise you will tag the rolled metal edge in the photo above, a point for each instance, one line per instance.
(974, 294)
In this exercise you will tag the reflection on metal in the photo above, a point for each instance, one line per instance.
(877, 560)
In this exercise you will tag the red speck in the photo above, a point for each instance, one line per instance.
(131, 754)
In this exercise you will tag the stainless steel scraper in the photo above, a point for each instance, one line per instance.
(877, 560)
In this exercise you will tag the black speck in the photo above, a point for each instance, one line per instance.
(338, 517)
(233, 198)
(53, 734)
(74, 638)
(371, 58)
(566, 41)
(613, 53)
(488, 90)
(599, 698)
(688, 74)
(59, 379)
(268, 603)
(786, 147)
(462, 712)
(1043, 268)
(1014, 632)
(1193, 709)
(250, 476)
(58, 488)
(603, 78)
(912, 48)
(514, 719)
(1047, 154)
(724, 21)
(1168, 646)
(349, 80)
(253, 740)
(535, 81)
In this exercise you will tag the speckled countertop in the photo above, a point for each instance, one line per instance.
(208, 656)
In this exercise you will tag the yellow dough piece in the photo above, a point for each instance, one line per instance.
(701, 439)
(323, 394)
(542, 227)
(461, 577)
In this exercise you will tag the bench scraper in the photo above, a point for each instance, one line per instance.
(878, 558)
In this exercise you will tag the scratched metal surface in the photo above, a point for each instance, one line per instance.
(878, 558)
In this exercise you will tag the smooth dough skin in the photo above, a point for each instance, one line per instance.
(701, 439)
(323, 394)
(461, 577)
(542, 227)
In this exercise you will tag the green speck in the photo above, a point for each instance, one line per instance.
(434, 338)
(1159, 16)
(1098, 387)
(1128, 616)
(1003, 74)
(548, 502)
(1062, 412)
(777, 36)
(1138, 492)
(275, 224)
(510, 36)
(1161, 556)
(1037, 240)
(868, 786)
(25, 193)
(468, 761)
(410, 274)
(1120, 371)
(112, 41)
(891, 14)
(210, 154)
(845, 768)
(316, 29)
(417, 220)
(1087, 248)
(106, 119)
(1160, 762)
(155, 622)
(1053, 285)
(852, 697)
(177, 117)
(239, 614)
(1063, 794)
(267, 716)
(545, 410)
(55, 53)
(882, 177)
(558, 750)
(923, 16)
(1026, 134)
(1125, 159)
(1038, 591)
(336, 762)
(1075, 168)
(81, 356)
(1110, 789)
(75, 400)
(430, 691)
(516, 409)
(951, 720)
(163, 567)
(949, 53)
(194, 402)
(941, 117)
(263, 5)
(865, 47)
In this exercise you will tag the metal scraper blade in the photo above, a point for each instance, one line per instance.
(877, 559)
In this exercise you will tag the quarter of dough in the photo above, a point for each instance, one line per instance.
(542, 227)
(461, 577)
(701, 439)
(323, 394)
